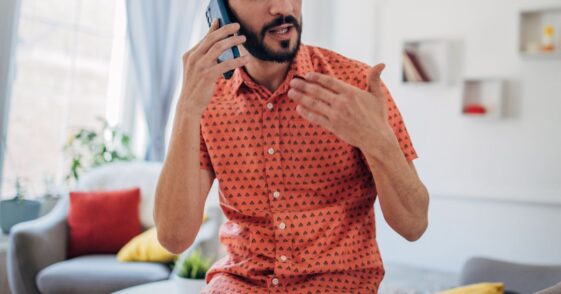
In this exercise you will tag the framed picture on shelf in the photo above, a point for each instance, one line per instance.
(425, 62)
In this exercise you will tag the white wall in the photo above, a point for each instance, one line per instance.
(495, 186)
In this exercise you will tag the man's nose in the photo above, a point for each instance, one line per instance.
(282, 7)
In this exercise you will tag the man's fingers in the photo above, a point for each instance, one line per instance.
(218, 48)
(231, 64)
(314, 90)
(213, 27)
(334, 85)
(311, 103)
(314, 117)
(214, 36)
(374, 80)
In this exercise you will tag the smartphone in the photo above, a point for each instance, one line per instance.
(217, 9)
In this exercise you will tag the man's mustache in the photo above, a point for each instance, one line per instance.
(289, 19)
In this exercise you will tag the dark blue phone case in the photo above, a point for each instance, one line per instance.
(218, 9)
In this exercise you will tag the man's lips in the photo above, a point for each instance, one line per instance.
(281, 33)
(283, 29)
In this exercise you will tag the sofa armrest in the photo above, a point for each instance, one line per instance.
(556, 289)
(35, 245)
(517, 277)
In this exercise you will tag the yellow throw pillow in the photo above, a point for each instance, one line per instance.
(481, 288)
(145, 247)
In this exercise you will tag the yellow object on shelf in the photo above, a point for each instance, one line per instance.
(549, 31)
(548, 37)
(481, 288)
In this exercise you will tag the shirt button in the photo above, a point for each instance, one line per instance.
(283, 258)
(275, 281)
(276, 194)
(282, 226)
(271, 151)
(270, 106)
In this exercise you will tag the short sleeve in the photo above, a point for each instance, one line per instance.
(204, 157)
(398, 125)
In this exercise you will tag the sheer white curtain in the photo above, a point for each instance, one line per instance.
(9, 14)
(159, 33)
(200, 28)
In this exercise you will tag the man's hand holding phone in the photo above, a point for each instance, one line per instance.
(201, 68)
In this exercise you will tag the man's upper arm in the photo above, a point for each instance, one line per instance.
(398, 125)
(207, 173)
(412, 166)
(206, 180)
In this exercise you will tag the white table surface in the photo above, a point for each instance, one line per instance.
(168, 287)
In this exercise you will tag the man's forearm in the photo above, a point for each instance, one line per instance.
(179, 206)
(403, 197)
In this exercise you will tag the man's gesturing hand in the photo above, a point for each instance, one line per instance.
(356, 116)
(201, 68)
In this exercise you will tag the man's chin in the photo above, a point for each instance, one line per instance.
(278, 49)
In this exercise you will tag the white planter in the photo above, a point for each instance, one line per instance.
(194, 286)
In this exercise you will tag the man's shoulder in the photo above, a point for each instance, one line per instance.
(335, 64)
(333, 56)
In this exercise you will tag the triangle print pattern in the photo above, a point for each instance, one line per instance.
(299, 201)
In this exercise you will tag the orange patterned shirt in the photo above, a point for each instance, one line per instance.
(299, 201)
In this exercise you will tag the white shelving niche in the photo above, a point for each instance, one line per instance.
(487, 94)
(532, 24)
(432, 56)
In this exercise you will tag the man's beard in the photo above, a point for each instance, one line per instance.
(255, 44)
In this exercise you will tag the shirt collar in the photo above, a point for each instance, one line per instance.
(300, 66)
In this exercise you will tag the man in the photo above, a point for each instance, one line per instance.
(301, 140)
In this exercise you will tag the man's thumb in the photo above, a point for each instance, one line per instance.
(374, 80)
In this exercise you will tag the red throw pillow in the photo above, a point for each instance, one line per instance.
(102, 221)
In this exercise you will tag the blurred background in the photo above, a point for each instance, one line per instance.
(86, 83)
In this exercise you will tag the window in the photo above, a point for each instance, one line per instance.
(69, 66)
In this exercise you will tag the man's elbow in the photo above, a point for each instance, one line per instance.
(414, 233)
(173, 244)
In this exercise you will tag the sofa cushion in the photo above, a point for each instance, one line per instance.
(102, 222)
(123, 174)
(98, 274)
(145, 247)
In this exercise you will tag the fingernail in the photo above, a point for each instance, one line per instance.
(291, 93)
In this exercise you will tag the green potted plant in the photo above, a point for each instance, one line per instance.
(18, 209)
(87, 148)
(50, 197)
(190, 271)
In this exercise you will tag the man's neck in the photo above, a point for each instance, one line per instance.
(267, 73)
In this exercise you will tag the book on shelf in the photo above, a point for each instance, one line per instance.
(412, 69)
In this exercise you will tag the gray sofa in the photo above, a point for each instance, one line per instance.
(517, 277)
(36, 258)
(555, 289)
